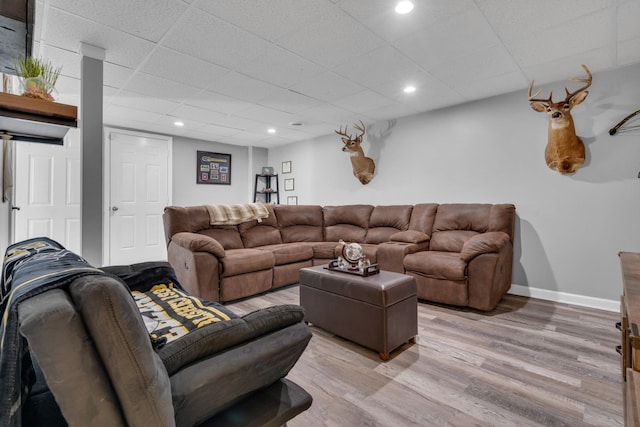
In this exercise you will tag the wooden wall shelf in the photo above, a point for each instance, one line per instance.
(21, 115)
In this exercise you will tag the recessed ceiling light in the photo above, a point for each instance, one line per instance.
(178, 123)
(404, 7)
(271, 130)
(409, 89)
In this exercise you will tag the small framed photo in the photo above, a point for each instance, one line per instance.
(286, 167)
(288, 184)
(292, 200)
(267, 170)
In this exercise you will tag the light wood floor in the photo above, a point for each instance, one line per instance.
(527, 363)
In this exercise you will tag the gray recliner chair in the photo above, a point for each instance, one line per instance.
(94, 356)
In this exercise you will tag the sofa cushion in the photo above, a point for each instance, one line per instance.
(387, 220)
(422, 217)
(451, 240)
(409, 236)
(73, 371)
(260, 232)
(437, 265)
(299, 223)
(348, 222)
(241, 261)
(137, 373)
(227, 235)
(288, 253)
(325, 250)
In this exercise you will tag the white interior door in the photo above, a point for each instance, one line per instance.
(139, 190)
(47, 192)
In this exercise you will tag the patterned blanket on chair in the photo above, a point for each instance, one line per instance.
(30, 267)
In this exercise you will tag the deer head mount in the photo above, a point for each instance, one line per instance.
(565, 151)
(363, 167)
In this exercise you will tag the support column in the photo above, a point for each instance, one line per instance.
(91, 216)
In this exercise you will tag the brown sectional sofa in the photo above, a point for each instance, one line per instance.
(459, 254)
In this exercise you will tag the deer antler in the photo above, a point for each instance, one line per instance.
(532, 98)
(343, 132)
(360, 128)
(582, 89)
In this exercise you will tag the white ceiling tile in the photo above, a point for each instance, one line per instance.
(454, 38)
(279, 67)
(267, 19)
(115, 75)
(378, 66)
(219, 130)
(288, 101)
(117, 112)
(217, 102)
(120, 48)
(331, 114)
(333, 39)
(147, 19)
(67, 59)
(544, 47)
(380, 17)
(166, 123)
(477, 66)
(143, 102)
(515, 19)
(242, 87)
(629, 20)
(176, 66)
(189, 112)
(266, 115)
(147, 84)
(206, 37)
(327, 87)
(362, 101)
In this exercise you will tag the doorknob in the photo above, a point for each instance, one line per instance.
(15, 208)
(114, 208)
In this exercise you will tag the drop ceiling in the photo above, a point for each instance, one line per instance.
(231, 69)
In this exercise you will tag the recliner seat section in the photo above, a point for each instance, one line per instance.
(460, 254)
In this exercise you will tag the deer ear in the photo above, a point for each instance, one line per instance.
(539, 107)
(579, 98)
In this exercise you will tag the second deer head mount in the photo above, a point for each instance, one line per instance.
(565, 150)
(363, 167)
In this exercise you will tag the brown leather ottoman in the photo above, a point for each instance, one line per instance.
(379, 312)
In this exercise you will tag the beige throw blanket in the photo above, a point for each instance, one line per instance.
(235, 214)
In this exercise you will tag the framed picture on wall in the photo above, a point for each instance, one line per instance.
(213, 168)
(292, 200)
(286, 167)
(288, 184)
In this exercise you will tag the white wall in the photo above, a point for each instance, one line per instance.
(245, 163)
(569, 228)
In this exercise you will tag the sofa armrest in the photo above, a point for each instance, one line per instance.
(198, 243)
(483, 243)
(409, 236)
(391, 255)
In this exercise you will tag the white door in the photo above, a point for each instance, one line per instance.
(46, 193)
(139, 190)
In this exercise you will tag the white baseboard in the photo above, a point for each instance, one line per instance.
(563, 297)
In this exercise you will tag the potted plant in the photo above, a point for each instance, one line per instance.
(38, 77)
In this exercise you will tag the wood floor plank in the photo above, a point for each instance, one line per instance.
(528, 362)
